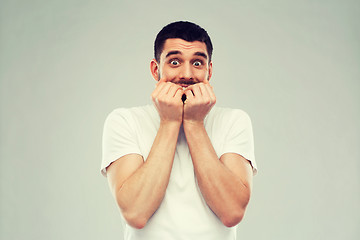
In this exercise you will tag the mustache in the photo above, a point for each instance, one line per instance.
(186, 82)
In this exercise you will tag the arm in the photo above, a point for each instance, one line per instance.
(139, 186)
(226, 182)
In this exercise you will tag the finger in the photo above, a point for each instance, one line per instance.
(196, 90)
(211, 92)
(206, 81)
(161, 81)
(178, 94)
(204, 91)
(157, 90)
(189, 94)
(174, 89)
(208, 89)
(164, 91)
(207, 94)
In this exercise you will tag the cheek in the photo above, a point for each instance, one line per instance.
(169, 73)
(202, 75)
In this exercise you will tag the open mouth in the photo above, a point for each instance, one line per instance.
(184, 85)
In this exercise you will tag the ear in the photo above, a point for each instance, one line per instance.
(210, 71)
(154, 68)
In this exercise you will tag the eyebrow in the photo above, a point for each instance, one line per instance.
(172, 53)
(201, 54)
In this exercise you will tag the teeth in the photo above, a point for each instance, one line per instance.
(184, 88)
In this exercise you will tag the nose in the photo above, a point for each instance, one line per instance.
(186, 72)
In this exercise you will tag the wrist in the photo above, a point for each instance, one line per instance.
(170, 124)
(193, 124)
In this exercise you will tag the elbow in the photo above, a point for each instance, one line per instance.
(132, 214)
(236, 214)
(232, 219)
(135, 220)
(137, 223)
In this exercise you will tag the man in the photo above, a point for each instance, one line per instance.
(180, 168)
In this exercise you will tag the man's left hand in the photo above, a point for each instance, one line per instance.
(200, 98)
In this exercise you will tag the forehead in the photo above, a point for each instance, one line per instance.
(185, 47)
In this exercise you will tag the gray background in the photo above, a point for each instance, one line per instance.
(292, 65)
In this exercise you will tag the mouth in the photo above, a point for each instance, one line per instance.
(185, 85)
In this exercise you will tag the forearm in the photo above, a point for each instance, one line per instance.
(225, 193)
(142, 193)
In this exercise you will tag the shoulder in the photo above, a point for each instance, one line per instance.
(135, 118)
(131, 113)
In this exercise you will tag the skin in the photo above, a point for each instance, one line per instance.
(139, 186)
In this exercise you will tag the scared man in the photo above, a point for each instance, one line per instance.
(180, 168)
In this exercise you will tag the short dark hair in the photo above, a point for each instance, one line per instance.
(187, 31)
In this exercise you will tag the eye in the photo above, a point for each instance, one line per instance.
(174, 62)
(197, 63)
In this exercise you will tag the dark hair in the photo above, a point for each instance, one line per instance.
(187, 31)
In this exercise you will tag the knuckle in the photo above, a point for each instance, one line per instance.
(161, 99)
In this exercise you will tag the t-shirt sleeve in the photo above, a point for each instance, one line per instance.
(239, 138)
(119, 138)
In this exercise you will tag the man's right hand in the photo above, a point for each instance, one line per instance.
(167, 100)
(139, 185)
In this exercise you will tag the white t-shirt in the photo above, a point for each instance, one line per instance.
(183, 213)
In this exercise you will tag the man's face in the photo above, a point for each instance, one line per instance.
(183, 63)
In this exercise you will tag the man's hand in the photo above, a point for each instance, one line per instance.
(167, 100)
(224, 183)
(200, 98)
